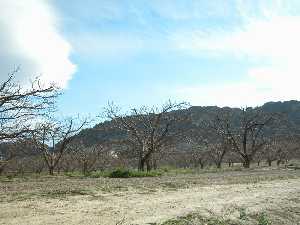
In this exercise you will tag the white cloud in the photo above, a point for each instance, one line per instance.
(237, 94)
(29, 38)
(275, 38)
(272, 42)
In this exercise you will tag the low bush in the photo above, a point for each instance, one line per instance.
(118, 173)
(263, 219)
(243, 214)
(123, 173)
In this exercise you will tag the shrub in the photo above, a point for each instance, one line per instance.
(263, 219)
(122, 173)
(243, 215)
(119, 173)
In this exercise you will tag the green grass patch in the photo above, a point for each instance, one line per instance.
(74, 174)
(98, 174)
(263, 219)
(243, 214)
(195, 219)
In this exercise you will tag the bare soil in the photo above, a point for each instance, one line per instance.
(62, 200)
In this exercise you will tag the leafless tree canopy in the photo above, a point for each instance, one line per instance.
(19, 106)
(245, 131)
(148, 129)
(86, 156)
(53, 138)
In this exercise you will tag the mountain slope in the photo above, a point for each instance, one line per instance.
(106, 132)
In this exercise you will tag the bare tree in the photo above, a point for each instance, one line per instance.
(231, 157)
(217, 151)
(209, 135)
(285, 149)
(199, 155)
(147, 129)
(197, 146)
(245, 131)
(217, 140)
(13, 151)
(53, 138)
(7, 153)
(19, 106)
(271, 150)
(86, 156)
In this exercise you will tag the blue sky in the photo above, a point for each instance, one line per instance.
(123, 49)
(144, 52)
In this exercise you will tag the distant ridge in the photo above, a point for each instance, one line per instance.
(103, 132)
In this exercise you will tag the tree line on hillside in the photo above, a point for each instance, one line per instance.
(33, 140)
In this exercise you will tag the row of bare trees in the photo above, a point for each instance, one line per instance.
(26, 116)
(245, 135)
(20, 108)
(28, 133)
(241, 135)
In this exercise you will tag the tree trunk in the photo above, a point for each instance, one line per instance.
(51, 170)
(2, 169)
(269, 162)
(246, 163)
(141, 166)
(84, 168)
(278, 162)
(154, 162)
(201, 164)
(219, 165)
(148, 165)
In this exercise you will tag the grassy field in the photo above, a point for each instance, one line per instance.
(179, 197)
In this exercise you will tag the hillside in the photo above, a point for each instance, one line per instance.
(105, 132)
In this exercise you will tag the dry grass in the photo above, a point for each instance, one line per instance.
(65, 200)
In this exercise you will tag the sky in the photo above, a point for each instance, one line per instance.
(143, 52)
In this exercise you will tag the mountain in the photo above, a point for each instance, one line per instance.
(106, 133)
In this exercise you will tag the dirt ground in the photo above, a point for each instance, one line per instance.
(62, 200)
